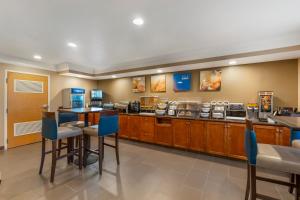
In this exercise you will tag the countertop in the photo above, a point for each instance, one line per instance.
(255, 121)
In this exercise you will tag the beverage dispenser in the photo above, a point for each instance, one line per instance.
(73, 98)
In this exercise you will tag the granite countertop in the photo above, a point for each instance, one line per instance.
(255, 121)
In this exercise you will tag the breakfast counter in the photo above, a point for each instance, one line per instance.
(213, 136)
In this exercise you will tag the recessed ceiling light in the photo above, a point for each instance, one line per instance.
(138, 21)
(159, 71)
(114, 76)
(71, 44)
(37, 57)
(232, 62)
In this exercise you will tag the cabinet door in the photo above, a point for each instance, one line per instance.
(215, 137)
(134, 127)
(181, 132)
(123, 126)
(81, 117)
(147, 126)
(91, 118)
(96, 118)
(197, 136)
(266, 134)
(164, 135)
(284, 136)
(235, 141)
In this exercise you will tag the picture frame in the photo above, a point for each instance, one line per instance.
(158, 83)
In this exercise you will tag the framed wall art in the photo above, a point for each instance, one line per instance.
(182, 81)
(158, 83)
(210, 80)
(138, 84)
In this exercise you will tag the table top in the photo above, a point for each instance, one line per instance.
(81, 110)
(291, 122)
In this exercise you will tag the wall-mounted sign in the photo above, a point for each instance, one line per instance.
(138, 84)
(210, 80)
(158, 83)
(182, 81)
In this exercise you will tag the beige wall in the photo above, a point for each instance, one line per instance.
(299, 83)
(57, 83)
(239, 84)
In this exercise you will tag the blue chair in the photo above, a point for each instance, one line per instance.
(295, 142)
(272, 157)
(108, 125)
(69, 119)
(50, 131)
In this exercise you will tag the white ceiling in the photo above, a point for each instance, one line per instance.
(174, 30)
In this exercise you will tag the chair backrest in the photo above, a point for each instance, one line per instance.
(49, 126)
(108, 122)
(64, 117)
(250, 143)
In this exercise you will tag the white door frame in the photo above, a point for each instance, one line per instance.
(5, 98)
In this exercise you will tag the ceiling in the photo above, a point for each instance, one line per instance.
(174, 30)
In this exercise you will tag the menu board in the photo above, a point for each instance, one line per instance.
(182, 81)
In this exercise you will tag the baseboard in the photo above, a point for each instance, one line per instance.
(1, 148)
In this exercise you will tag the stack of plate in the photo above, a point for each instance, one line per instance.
(205, 110)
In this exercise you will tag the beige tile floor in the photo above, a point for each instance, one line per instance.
(146, 172)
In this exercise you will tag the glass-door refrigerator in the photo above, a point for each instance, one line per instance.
(73, 98)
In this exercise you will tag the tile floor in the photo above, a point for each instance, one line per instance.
(146, 172)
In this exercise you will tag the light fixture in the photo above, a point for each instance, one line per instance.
(114, 76)
(159, 71)
(232, 62)
(138, 21)
(37, 57)
(71, 44)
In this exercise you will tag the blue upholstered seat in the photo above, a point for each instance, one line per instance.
(68, 119)
(273, 157)
(52, 132)
(107, 125)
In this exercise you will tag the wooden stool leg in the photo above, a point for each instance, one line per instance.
(292, 180)
(69, 150)
(59, 147)
(102, 150)
(43, 155)
(100, 147)
(297, 193)
(117, 148)
(85, 147)
(252, 182)
(248, 182)
(80, 152)
(53, 165)
(72, 149)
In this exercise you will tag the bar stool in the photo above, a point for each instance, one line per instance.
(50, 131)
(295, 144)
(68, 119)
(108, 125)
(273, 157)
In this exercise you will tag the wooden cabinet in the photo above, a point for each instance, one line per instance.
(147, 129)
(235, 140)
(266, 134)
(284, 136)
(197, 136)
(96, 118)
(134, 127)
(272, 135)
(163, 132)
(215, 138)
(181, 133)
(123, 126)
